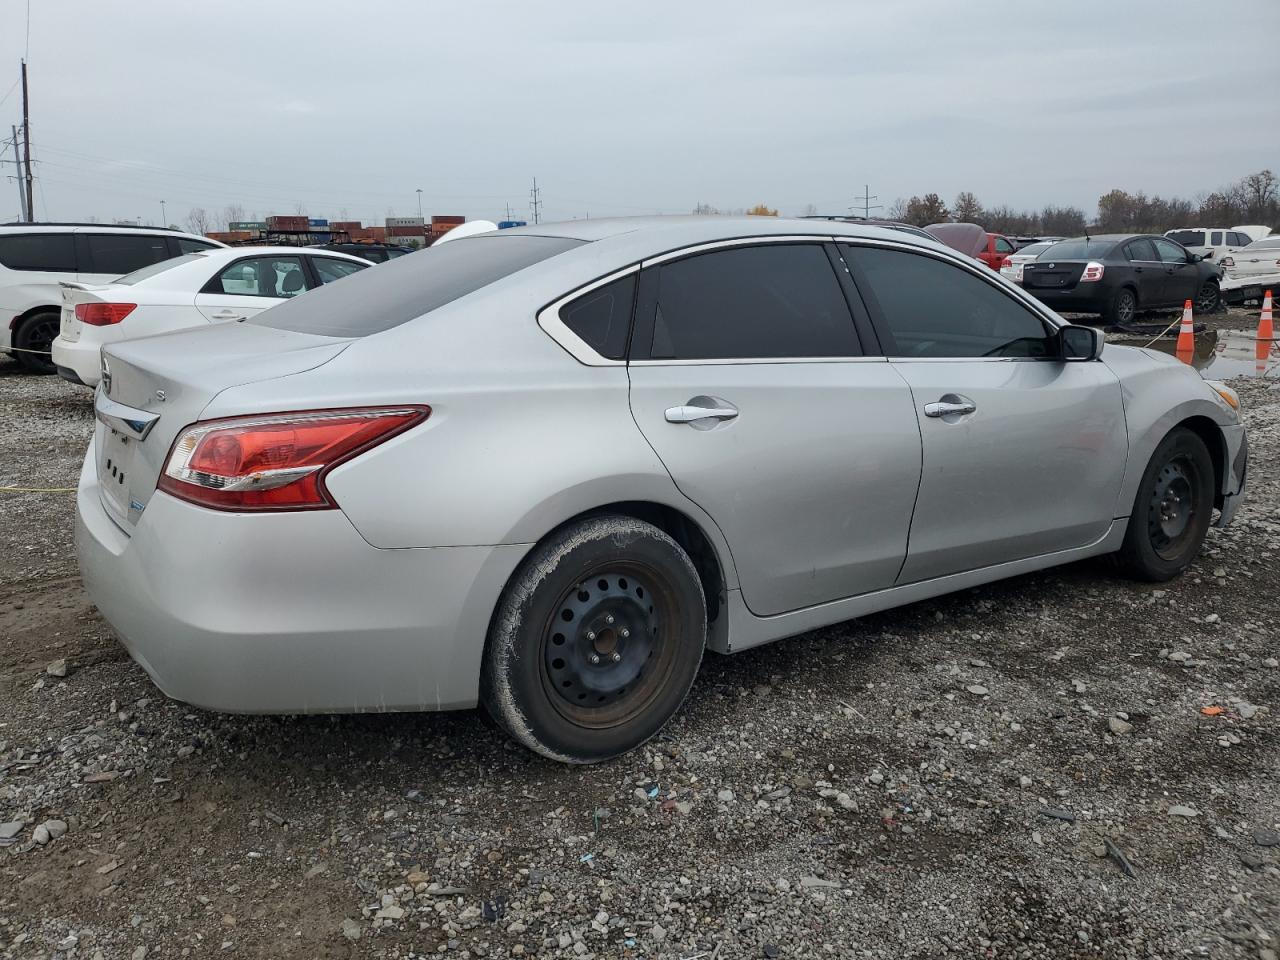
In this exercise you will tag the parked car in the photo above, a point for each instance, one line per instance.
(1013, 264)
(36, 257)
(1209, 242)
(193, 290)
(373, 252)
(1020, 242)
(1253, 231)
(1252, 270)
(1116, 275)
(972, 240)
(545, 468)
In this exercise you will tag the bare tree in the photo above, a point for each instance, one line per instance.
(898, 210)
(705, 209)
(199, 221)
(232, 213)
(810, 210)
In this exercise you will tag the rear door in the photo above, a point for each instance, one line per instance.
(1023, 453)
(750, 381)
(250, 285)
(1181, 277)
(1148, 271)
(106, 256)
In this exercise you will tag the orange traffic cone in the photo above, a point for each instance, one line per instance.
(1186, 336)
(1266, 333)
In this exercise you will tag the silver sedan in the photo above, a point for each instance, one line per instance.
(545, 469)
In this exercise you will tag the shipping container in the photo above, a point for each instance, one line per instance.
(508, 224)
(451, 220)
(404, 221)
(237, 225)
(345, 225)
(286, 223)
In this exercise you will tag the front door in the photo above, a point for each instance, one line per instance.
(1023, 452)
(249, 286)
(1181, 278)
(749, 381)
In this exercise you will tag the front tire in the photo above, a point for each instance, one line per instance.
(596, 640)
(1172, 511)
(34, 340)
(1123, 308)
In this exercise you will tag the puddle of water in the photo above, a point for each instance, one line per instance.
(1221, 355)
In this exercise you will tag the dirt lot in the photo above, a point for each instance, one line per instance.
(963, 777)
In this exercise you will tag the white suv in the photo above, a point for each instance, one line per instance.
(36, 257)
(1210, 242)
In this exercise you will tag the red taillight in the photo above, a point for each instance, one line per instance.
(103, 314)
(1092, 271)
(1005, 262)
(1228, 261)
(276, 462)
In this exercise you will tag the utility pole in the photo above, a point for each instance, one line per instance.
(535, 203)
(420, 216)
(164, 221)
(17, 166)
(26, 144)
(866, 198)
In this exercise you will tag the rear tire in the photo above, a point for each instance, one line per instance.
(37, 333)
(1172, 510)
(1209, 298)
(1123, 307)
(596, 640)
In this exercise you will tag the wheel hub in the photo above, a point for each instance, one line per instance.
(1171, 509)
(601, 639)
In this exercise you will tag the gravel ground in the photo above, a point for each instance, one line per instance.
(1060, 765)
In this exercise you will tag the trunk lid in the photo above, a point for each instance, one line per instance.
(73, 293)
(1052, 274)
(153, 387)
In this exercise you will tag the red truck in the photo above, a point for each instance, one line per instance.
(971, 240)
(997, 248)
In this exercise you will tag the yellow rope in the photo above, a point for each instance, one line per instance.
(37, 489)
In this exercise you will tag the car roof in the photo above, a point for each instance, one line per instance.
(234, 253)
(19, 228)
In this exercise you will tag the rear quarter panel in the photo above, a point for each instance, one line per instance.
(1159, 392)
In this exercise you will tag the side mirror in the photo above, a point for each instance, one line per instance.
(1080, 342)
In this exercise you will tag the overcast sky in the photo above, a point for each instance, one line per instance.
(636, 108)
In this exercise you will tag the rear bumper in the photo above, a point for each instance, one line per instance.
(1082, 298)
(80, 358)
(289, 612)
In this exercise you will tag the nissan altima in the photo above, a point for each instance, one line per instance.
(545, 469)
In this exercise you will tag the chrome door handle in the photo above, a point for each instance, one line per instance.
(700, 410)
(228, 315)
(948, 404)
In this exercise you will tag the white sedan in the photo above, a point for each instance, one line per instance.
(194, 290)
(1012, 266)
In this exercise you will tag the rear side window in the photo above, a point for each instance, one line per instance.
(936, 309)
(50, 252)
(1141, 249)
(601, 318)
(774, 301)
(1188, 238)
(1215, 238)
(407, 287)
(120, 253)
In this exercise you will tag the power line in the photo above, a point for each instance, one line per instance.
(866, 198)
(535, 203)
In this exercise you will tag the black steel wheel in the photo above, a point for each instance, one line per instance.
(34, 340)
(1172, 511)
(596, 641)
(1208, 297)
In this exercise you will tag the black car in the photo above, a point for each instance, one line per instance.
(373, 252)
(1117, 275)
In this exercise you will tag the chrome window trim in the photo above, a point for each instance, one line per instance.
(754, 361)
(551, 324)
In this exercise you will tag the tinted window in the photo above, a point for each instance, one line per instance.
(328, 269)
(1188, 238)
(1082, 249)
(194, 246)
(1003, 245)
(54, 252)
(1215, 238)
(155, 268)
(778, 300)
(120, 253)
(935, 309)
(277, 276)
(1170, 252)
(602, 317)
(407, 287)
(1140, 250)
(1239, 239)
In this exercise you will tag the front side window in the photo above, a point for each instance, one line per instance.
(1003, 245)
(601, 317)
(1239, 239)
(120, 253)
(277, 277)
(936, 309)
(1140, 249)
(768, 302)
(46, 252)
(1170, 252)
(328, 269)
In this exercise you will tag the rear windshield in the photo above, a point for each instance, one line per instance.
(1188, 238)
(1035, 249)
(152, 269)
(375, 300)
(1270, 243)
(1082, 249)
